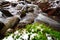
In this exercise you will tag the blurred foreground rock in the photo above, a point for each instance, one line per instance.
(13, 21)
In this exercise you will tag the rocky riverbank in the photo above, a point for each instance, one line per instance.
(17, 15)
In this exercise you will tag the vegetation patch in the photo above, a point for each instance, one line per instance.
(35, 31)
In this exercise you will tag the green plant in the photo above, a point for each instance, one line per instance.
(38, 31)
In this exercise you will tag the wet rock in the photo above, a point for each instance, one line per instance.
(13, 4)
(28, 19)
(30, 9)
(50, 10)
(9, 31)
(5, 3)
(44, 6)
(22, 2)
(57, 11)
(12, 23)
(42, 1)
(6, 13)
(24, 11)
(1, 25)
(28, 2)
(19, 6)
(55, 25)
(53, 11)
(23, 14)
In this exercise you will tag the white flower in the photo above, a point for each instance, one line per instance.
(32, 36)
(42, 30)
(9, 37)
(16, 32)
(48, 37)
(25, 36)
(32, 30)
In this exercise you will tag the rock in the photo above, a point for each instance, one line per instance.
(1, 25)
(13, 4)
(28, 2)
(23, 14)
(12, 23)
(42, 1)
(10, 31)
(54, 24)
(5, 3)
(44, 6)
(30, 9)
(6, 13)
(57, 11)
(19, 6)
(28, 19)
(50, 10)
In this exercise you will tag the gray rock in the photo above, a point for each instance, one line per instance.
(29, 18)
(49, 21)
(12, 23)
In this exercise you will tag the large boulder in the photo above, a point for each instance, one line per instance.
(45, 19)
(11, 23)
(28, 19)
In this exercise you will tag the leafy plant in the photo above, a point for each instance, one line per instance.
(36, 31)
